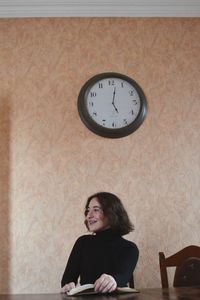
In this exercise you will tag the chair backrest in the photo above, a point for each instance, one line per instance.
(188, 274)
(181, 262)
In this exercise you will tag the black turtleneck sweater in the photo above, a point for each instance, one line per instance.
(104, 252)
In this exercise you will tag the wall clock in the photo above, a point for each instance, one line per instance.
(112, 105)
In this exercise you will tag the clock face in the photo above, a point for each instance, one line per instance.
(112, 105)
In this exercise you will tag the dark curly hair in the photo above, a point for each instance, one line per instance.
(114, 210)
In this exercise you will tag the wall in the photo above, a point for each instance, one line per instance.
(50, 162)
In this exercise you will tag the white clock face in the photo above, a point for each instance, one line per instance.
(113, 103)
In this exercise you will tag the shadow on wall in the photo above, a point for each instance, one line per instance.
(4, 195)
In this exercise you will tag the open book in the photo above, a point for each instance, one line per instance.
(87, 289)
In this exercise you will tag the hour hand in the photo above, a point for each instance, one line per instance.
(113, 100)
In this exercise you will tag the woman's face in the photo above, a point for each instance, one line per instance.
(95, 218)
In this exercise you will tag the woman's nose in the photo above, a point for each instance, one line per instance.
(90, 214)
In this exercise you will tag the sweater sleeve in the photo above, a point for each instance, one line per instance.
(72, 270)
(125, 265)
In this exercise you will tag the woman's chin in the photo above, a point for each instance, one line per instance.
(93, 229)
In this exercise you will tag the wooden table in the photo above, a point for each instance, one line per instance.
(187, 293)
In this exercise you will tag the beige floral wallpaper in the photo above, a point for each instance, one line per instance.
(50, 162)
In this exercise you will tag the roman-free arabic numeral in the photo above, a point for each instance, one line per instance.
(125, 122)
(111, 82)
(104, 122)
(100, 85)
(93, 94)
(131, 93)
(135, 101)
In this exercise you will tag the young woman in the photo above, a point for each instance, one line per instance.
(104, 258)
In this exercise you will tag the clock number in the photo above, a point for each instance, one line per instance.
(122, 84)
(111, 82)
(91, 104)
(131, 93)
(135, 101)
(100, 85)
(93, 94)
(125, 122)
(104, 122)
(94, 114)
(113, 124)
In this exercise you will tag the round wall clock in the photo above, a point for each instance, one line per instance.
(112, 105)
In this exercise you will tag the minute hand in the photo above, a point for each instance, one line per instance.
(113, 103)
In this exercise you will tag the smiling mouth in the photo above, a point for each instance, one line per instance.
(92, 222)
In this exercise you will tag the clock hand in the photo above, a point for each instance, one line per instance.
(113, 103)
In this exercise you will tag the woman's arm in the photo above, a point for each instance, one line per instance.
(72, 270)
(125, 265)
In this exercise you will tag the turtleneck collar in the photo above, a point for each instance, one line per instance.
(106, 234)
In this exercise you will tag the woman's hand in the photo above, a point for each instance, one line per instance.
(67, 287)
(105, 284)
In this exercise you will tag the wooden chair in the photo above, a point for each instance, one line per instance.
(187, 263)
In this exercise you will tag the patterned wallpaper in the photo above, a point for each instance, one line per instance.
(50, 162)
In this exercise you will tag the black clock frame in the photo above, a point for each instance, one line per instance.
(109, 132)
